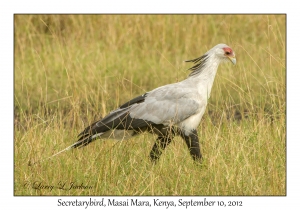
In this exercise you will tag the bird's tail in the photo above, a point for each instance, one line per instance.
(83, 141)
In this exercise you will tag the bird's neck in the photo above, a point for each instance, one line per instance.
(205, 78)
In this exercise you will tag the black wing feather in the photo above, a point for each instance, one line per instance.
(113, 114)
(136, 100)
(117, 119)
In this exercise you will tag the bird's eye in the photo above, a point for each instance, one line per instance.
(227, 53)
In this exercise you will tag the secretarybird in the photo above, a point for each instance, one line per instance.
(173, 109)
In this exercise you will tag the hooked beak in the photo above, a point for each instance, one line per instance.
(232, 59)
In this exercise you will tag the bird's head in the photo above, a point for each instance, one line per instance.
(224, 52)
(217, 54)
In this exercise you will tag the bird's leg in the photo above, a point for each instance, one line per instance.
(160, 144)
(192, 142)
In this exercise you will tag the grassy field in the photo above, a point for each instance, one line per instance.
(73, 69)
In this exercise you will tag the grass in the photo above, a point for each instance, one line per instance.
(71, 70)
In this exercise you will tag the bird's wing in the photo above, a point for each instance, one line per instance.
(170, 104)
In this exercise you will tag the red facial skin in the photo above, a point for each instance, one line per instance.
(228, 51)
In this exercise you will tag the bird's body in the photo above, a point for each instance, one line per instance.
(173, 109)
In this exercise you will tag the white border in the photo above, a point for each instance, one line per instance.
(8, 201)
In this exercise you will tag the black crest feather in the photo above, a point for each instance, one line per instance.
(200, 62)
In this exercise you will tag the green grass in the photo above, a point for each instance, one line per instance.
(73, 69)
